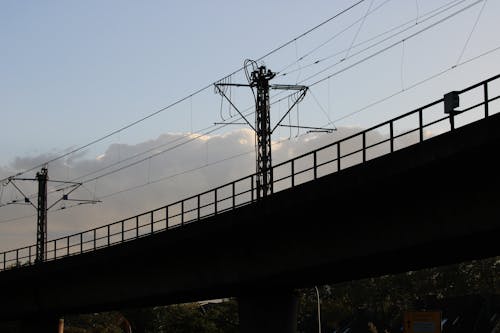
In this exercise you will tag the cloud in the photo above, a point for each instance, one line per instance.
(172, 174)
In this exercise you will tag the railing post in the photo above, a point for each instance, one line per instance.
(182, 212)
(272, 179)
(123, 231)
(67, 246)
(109, 233)
(252, 185)
(198, 203)
(166, 217)
(293, 173)
(364, 147)
(486, 106)
(338, 156)
(315, 161)
(137, 227)
(29, 254)
(81, 242)
(95, 239)
(234, 194)
(17, 257)
(452, 120)
(215, 201)
(152, 223)
(421, 125)
(391, 135)
(4, 261)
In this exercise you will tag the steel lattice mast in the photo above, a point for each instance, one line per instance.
(41, 224)
(42, 207)
(259, 79)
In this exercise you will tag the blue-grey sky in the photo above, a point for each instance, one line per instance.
(74, 71)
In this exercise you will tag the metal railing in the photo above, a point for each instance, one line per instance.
(341, 154)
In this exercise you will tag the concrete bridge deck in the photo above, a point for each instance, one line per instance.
(429, 204)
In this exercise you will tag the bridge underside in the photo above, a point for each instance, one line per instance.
(430, 204)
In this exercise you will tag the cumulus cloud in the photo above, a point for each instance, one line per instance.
(172, 174)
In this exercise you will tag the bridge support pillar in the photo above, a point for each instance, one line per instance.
(268, 311)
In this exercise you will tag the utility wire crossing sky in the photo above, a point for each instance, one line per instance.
(100, 91)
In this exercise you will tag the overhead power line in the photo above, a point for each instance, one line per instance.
(425, 17)
(429, 15)
(15, 219)
(359, 28)
(321, 80)
(416, 84)
(208, 86)
(366, 107)
(189, 96)
(387, 47)
(472, 31)
(189, 138)
(469, 60)
(337, 34)
(433, 76)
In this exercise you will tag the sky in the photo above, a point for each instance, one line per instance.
(73, 72)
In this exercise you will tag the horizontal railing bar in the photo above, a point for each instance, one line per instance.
(281, 179)
(434, 122)
(360, 133)
(477, 85)
(400, 135)
(207, 205)
(326, 162)
(378, 143)
(230, 186)
(494, 99)
(351, 153)
(479, 104)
